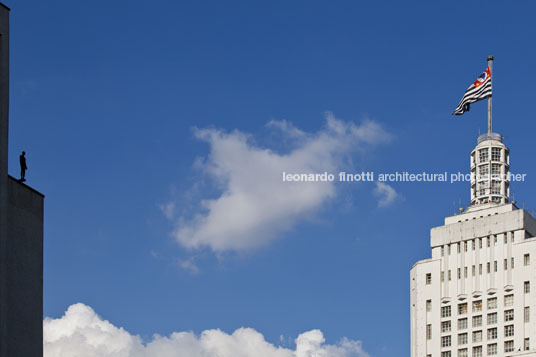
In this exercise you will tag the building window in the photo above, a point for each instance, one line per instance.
(492, 333)
(459, 273)
(462, 339)
(462, 352)
(527, 313)
(495, 154)
(474, 244)
(462, 324)
(489, 241)
(492, 318)
(448, 248)
(492, 303)
(494, 239)
(477, 351)
(508, 330)
(509, 300)
(442, 250)
(445, 341)
(505, 264)
(428, 332)
(509, 346)
(445, 326)
(465, 272)
(495, 266)
(482, 190)
(526, 344)
(465, 246)
(449, 274)
(428, 305)
(462, 308)
(484, 171)
(489, 267)
(492, 349)
(495, 187)
(526, 259)
(477, 336)
(527, 287)
(495, 170)
(442, 276)
(445, 311)
(473, 270)
(477, 305)
(509, 315)
(480, 269)
(446, 354)
(483, 155)
(428, 278)
(477, 321)
(512, 263)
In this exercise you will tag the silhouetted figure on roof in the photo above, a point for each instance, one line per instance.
(23, 167)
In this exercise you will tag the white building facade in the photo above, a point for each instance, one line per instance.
(476, 296)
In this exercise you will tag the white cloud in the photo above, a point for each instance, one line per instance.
(168, 209)
(287, 128)
(82, 333)
(255, 205)
(189, 265)
(386, 194)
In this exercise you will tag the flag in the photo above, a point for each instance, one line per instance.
(480, 89)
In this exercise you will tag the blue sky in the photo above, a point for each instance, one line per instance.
(115, 104)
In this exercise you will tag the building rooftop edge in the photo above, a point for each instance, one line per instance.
(25, 185)
(423, 261)
(489, 136)
(4, 5)
(483, 207)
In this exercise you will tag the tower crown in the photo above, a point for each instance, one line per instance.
(490, 165)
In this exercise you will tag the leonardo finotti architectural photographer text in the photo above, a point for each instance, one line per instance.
(370, 176)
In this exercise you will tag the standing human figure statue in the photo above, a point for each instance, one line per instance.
(23, 167)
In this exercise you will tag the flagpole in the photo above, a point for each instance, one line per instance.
(490, 65)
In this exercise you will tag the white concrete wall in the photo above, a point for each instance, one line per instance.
(476, 228)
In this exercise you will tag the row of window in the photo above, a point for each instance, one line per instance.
(526, 262)
(473, 271)
(483, 155)
(485, 199)
(496, 170)
(446, 326)
(477, 335)
(474, 243)
(484, 189)
(446, 311)
(477, 320)
(491, 349)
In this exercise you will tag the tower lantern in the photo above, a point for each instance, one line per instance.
(490, 163)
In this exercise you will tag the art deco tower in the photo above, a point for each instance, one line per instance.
(476, 296)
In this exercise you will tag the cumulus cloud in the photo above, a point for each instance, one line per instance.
(385, 193)
(82, 333)
(168, 209)
(254, 204)
(189, 265)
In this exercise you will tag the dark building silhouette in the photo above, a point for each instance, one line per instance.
(21, 239)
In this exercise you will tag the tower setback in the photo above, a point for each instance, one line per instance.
(476, 295)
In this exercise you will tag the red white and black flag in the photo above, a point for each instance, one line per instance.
(480, 89)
